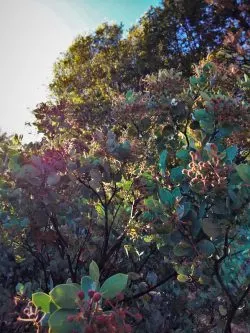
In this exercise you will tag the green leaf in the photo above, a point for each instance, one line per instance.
(87, 283)
(182, 278)
(205, 119)
(41, 301)
(148, 238)
(183, 209)
(166, 197)
(99, 209)
(182, 250)
(205, 96)
(44, 322)
(183, 269)
(20, 288)
(130, 98)
(13, 164)
(52, 307)
(211, 229)
(201, 114)
(114, 285)
(176, 175)
(65, 295)
(58, 322)
(163, 162)
(193, 81)
(196, 226)
(176, 193)
(183, 155)
(243, 171)
(231, 153)
(205, 247)
(94, 271)
(175, 237)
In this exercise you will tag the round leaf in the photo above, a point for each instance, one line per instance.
(65, 295)
(205, 247)
(41, 301)
(182, 278)
(58, 322)
(243, 171)
(163, 161)
(94, 271)
(87, 284)
(211, 229)
(183, 249)
(114, 285)
(176, 175)
(166, 197)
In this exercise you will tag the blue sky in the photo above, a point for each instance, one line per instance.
(33, 33)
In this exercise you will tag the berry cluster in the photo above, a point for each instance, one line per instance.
(209, 175)
(95, 320)
(241, 139)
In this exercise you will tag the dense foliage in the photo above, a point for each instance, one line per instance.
(140, 184)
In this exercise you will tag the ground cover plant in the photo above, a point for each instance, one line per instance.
(132, 213)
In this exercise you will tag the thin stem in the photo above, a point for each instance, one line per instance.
(234, 309)
(161, 282)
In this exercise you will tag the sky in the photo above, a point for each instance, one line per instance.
(33, 34)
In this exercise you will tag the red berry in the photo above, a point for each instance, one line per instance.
(91, 293)
(89, 329)
(97, 296)
(80, 294)
(127, 328)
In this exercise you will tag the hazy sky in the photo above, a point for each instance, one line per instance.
(32, 35)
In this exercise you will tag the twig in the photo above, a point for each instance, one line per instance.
(235, 307)
(161, 282)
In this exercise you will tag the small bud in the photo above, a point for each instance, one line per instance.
(70, 318)
(191, 165)
(127, 328)
(185, 171)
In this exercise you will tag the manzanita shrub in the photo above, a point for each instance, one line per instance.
(73, 307)
(159, 192)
